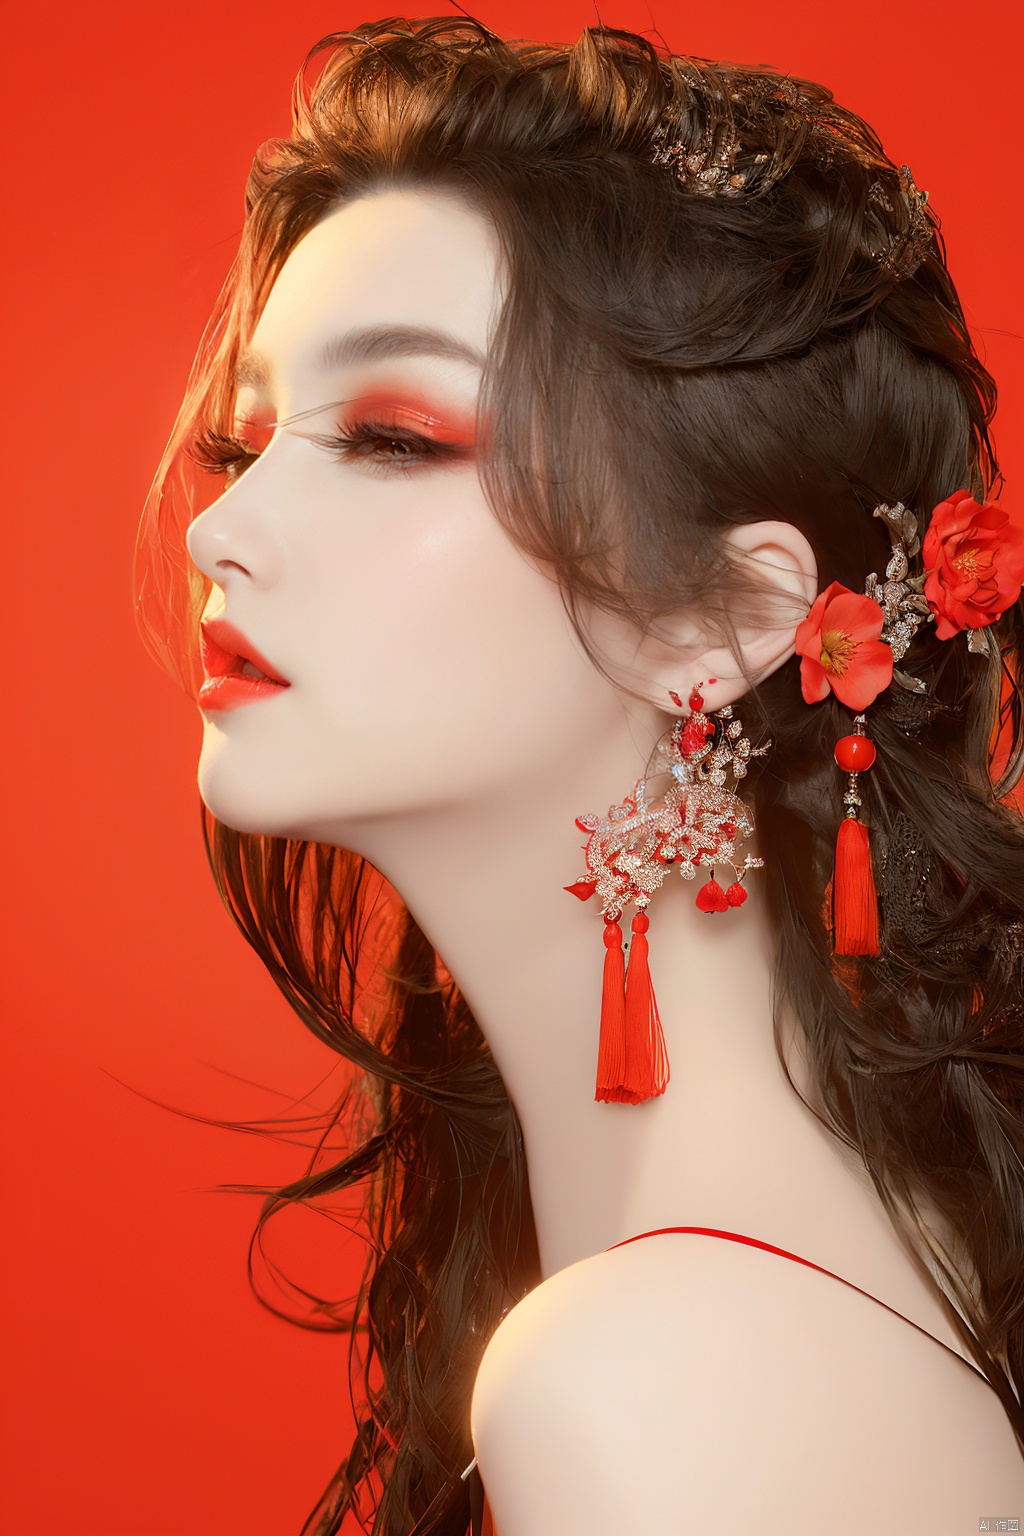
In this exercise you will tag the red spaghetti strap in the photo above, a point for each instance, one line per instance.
(783, 1253)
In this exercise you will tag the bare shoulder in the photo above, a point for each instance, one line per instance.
(681, 1381)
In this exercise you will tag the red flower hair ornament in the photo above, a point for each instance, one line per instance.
(974, 563)
(841, 649)
(973, 559)
(973, 568)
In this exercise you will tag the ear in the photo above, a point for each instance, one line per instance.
(776, 583)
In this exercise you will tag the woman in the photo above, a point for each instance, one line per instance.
(601, 428)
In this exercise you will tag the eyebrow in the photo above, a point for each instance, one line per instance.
(367, 344)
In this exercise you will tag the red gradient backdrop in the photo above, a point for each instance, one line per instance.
(146, 1392)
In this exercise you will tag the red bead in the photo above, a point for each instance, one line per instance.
(855, 754)
(676, 700)
(696, 700)
(640, 923)
(612, 935)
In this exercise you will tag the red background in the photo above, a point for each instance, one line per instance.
(146, 1391)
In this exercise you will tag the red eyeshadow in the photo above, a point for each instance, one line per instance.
(402, 407)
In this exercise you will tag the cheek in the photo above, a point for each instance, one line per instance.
(437, 640)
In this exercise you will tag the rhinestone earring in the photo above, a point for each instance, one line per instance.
(692, 818)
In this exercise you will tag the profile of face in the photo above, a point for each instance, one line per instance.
(428, 662)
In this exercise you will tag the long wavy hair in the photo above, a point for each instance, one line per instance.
(724, 304)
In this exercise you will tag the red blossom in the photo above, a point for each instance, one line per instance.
(974, 563)
(694, 734)
(840, 646)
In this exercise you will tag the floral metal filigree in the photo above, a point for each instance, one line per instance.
(709, 170)
(900, 595)
(693, 818)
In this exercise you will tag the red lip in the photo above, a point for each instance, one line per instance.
(225, 652)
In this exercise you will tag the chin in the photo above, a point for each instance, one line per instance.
(244, 800)
(271, 795)
(245, 811)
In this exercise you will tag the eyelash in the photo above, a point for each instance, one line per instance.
(230, 457)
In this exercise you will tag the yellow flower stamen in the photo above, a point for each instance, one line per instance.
(973, 561)
(837, 650)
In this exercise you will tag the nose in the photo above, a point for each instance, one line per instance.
(233, 542)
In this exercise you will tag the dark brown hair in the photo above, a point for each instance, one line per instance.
(784, 345)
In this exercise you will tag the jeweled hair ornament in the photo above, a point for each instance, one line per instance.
(970, 572)
(721, 156)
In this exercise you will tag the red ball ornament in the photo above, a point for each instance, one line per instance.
(736, 895)
(854, 754)
(696, 700)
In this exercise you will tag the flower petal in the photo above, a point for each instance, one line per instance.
(813, 680)
(953, 515)
(808, 631)
(858, 616)
(945, 628)
(868, 674)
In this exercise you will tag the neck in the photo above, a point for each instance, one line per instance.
(719, 1147)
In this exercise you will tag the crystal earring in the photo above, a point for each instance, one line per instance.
(692, 818)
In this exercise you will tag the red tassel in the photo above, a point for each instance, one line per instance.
(854, 899)
(611, 1050)
(644, 1070)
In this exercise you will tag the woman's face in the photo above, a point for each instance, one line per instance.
(427, 661)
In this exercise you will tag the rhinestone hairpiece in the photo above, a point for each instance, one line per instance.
(902, 254)
(718, 167)
(901, 595)
(709, 170)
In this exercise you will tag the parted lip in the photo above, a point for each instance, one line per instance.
(225, 650)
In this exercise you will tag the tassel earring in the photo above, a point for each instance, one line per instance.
(694, 820)
(854, 898)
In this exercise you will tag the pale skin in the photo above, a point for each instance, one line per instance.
(444, 721)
